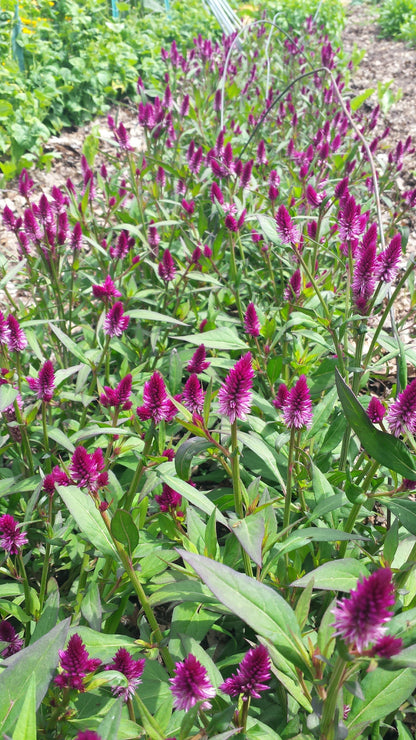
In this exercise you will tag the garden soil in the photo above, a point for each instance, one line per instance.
(388, 63)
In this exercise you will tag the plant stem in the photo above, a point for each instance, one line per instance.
(330, 703)
(238, 497)
(141, 595)
(129, 496)
(26, 591)
(288, 497)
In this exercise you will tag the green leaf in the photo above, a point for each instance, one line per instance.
(384, 692)
(191, 494)
(261, 607)
(145, 315)
(187, 590)
(223, 338)
(68, 343)
(60, 437)
(385, 448)
(257, 445)
(250, 532)
(360, 99)
(103, 646)
(25, 728)
(124, 529)
(49, 616)
(7, 396)
(405, 511)
(185, 454)
(88, 519)
(108, 727)
(39, 660)
(336, 575)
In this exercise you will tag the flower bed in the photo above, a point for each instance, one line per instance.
(191, 452)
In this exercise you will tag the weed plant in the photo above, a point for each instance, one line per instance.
(205, 522)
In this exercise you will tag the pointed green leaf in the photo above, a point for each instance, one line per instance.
(185, 454)
(336, 575)
(7, 396)
(260, 606)
(191, 494)
(384, 691)
(68, 343)
(384, 448)
(250, 532)
(145, 315)
(108, 727)
(222, 338)
(49, 616)
(25, 728)
(88, 519)
(41, 660)
(405, 511)
(124, 529)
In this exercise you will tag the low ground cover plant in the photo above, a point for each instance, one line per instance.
(205, 521)
(398, 20)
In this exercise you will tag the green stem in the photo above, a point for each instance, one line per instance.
(48, 463)
(238, 497)
(330, 703)
(96, 370)
(25, 439)
(82, 581)
(26, 591)
(129, 496)
(141, 595)
(288, 497)
(349, 526)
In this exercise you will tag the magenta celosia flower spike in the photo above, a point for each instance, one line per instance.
(166, 268)
(281, 396)
(85, 469)
(75, 664)
(198, 363)
(116, 321)
(156, 404)
(169, 499)
(363, 281)
(360, 618)
(387, 646)
(297, 411)
(44, 384)
(88, 735)
(191, 684)
(402, 413)
(11, 538)
(193, 394)
(131, 669)
(251, 321)
(8, 634)
(252, 673)
(292, 290)
(388, 262)
(17, 338)
(235, 394)
(375, 410)
(106, 290)
(118, 396)
(286, 229)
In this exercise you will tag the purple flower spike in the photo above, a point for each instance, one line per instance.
(198, 363)
(363, 281)
(8, 634)
(11, 539)
(75, 664)
(191, 684)
(107, 290)
(156, 404)
(292, 291)
(17, 338)
(375, 410)
(251, 321)
(251, 675)
(361, 616)
(166, 268)
(132, 669)
(235, 394)
(286, 229)
(387, 646)
(169, 499)
(388, 262)
(193, 394)
(85, 469)
(281, 397)
(119, 396)
(88, 735)
(44, 384)
(116, 321)
(402, 413)
(297, 411)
